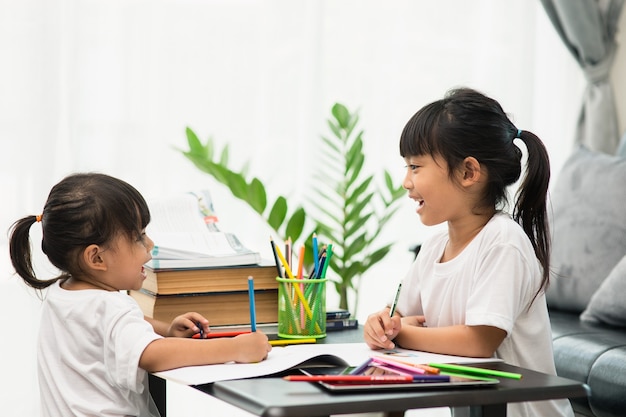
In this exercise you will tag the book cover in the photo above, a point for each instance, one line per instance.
(341, 324)
(186, 234)
(165, 281)
(223, 308)
(337, 314)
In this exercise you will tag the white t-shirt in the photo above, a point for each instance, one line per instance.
(491, 283)
(90, 342)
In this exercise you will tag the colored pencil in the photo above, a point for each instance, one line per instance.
(368, 379)
(316, 262)
(279, 270)
(252, 307)
(284, 342)
(449, 367)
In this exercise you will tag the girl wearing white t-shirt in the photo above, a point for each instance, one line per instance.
(95, 346)
(477, 288)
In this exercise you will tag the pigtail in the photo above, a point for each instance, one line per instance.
(531, 201)
(21, 253)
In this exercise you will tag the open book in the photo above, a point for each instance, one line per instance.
(283, 358)
(185, 232)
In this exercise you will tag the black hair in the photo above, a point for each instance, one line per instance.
(81, 210)
(466, 123)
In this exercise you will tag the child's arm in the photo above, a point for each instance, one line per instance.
(460, 340)
(381, 331)
(175, 352)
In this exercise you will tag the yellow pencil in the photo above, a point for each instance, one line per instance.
(296, 287)
(283, 342)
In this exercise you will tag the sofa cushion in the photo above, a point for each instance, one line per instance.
(588, 219)
(596, 355)
(607, 303)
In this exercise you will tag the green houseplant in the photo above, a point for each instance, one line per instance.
(351, 207)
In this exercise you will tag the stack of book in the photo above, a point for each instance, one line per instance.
(339, 319)
(219, 294)
(196, 267)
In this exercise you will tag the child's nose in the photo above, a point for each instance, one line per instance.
(149, 243)
(407, 184)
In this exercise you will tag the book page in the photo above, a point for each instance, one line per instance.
(185, 226)
(283, 358)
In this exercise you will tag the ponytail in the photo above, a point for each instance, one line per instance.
(21, 253)
(530, 209)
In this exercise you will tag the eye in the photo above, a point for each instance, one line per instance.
(142, 236)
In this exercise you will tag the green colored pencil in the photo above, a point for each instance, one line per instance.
(473, 370)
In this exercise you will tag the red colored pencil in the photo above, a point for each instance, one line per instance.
(221, 334)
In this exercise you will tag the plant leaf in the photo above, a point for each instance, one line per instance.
(257, 198)
(341, 114)
(295, 225)
(277, 213)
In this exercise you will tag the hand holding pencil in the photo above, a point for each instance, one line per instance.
(383, 326)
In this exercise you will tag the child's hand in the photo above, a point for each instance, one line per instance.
(418, 321)
(251, 347)
(188, 324)
(380, 330)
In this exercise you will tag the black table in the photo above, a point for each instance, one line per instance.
(275, 397)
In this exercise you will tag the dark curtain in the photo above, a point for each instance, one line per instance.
(588, 29)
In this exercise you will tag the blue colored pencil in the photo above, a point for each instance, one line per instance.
(252, 307)
(316, 264)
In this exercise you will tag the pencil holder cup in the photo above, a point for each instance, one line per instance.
(301, 308)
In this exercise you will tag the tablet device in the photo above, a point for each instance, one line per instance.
(455, 381)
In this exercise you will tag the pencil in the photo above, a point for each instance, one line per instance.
(252, 307)
(288, 252)
(301, 261)
(316, 262)
(395, 300)
(399, 365)
(219, 334)
(449, 367)
(279, 270)
(357, 370)
(329, 253)
(393, 361)
(283, 342)
(369, 379)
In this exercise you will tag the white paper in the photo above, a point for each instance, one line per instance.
(184, 227)
(283, 358)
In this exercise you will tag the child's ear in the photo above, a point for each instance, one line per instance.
(470, 171)
(93, 258)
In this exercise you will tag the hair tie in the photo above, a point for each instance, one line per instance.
(519, 133)
(38, 217)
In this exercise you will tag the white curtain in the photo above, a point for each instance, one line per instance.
(110, 85)
(588, 29)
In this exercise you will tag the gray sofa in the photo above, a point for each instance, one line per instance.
(594, 354)
(587, 294)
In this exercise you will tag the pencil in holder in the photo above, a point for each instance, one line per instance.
(301, 308)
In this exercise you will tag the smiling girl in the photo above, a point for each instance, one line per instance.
(477, 288)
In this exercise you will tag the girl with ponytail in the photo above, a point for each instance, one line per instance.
(476, 288)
